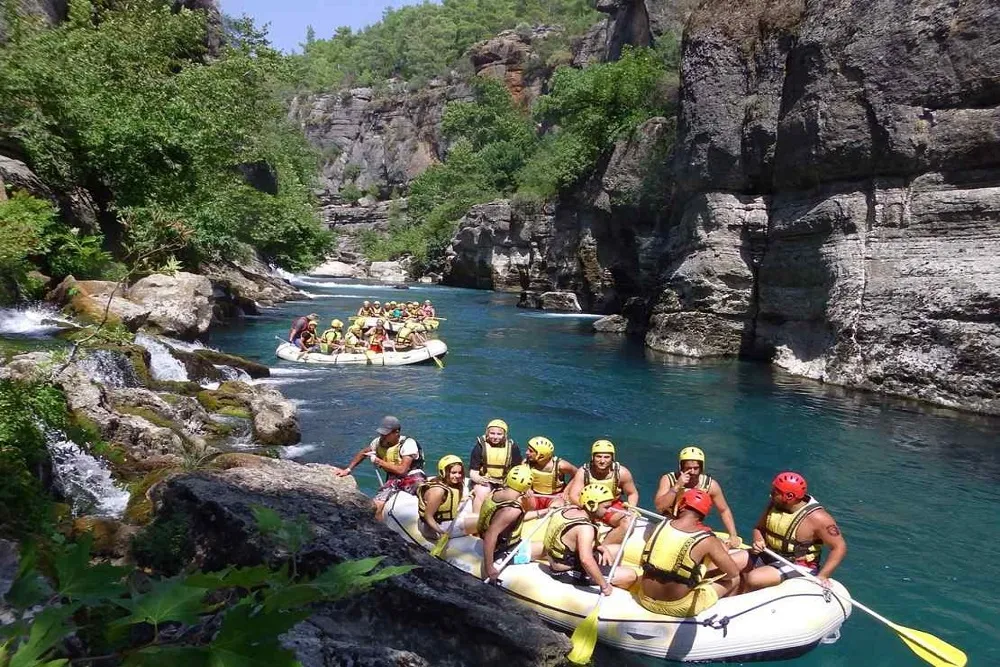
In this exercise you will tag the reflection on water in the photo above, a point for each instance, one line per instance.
(913, 487)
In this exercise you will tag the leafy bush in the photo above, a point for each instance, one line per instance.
(351, 193)
(235, 616)
(164, 545)
(122, 100)
(26, 410)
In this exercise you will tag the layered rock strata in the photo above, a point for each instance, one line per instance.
(838, 171)
(421, 618)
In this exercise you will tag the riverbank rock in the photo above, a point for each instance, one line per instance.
(179, 305)
(428, 613)
(275, 418)
(389, 272)
(616, 324)
(242, 289)
(334, 269)
(89, 300)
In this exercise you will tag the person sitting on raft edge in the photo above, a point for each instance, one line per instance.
(571, 543)
(332, 340)
(501, 519)
(299, 325)
(796, 526)
(307, 340)
(675, 580)
(401, 457)
(691, 475)
(439, 500)
(605, 470)
(493, 455)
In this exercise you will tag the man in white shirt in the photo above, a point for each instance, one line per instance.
(399, 456)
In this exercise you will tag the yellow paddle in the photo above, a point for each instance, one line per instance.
(442, 542)
(584, 638)
(440, 364)
(927, 647)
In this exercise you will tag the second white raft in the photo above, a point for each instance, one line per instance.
(432, 348)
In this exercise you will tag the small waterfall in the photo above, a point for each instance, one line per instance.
(162, 364)
(34, 321)
(85, 481)
(110, 368)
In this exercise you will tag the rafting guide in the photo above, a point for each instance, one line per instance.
(691, 475)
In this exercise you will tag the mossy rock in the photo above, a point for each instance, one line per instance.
(238, 460)
(139, 510)
(253, 369)
(151, 416)
(174, 387)
(198, 368)
(233, 411)
(228, 395)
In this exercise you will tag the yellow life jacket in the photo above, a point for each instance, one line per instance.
(612, 481)
(403, 335)
(510, 537)
(364, 312)
(329, 340)
(667, 554)
(496, 460)
(351, 339)
(448, 509)
(780, 528)
(388, 454)
(559, 524)
(704, 483)
(547, 482)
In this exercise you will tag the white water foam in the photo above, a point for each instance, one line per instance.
(162, 364)
(295, 451)
(110, 368)
(36, 320)
(231, 373)
(85, 480)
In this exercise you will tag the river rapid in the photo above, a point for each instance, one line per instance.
(915, 489)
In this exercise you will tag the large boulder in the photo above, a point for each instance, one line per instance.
(275, 418)
(97, 301)
(430, 616)
(179, 305)
(388, 272)
(334, 269)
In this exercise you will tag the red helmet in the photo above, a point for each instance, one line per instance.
(791, 486)
(697, 500)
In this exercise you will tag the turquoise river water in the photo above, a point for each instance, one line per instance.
(914, 489)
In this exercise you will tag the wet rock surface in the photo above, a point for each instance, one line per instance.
(179, 305)
(424, 617)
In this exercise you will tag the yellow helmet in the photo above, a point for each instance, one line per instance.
(519, 478)
(336, 324)
(542, 446)
(447, 462)
(499, 423)
(593, 495)
(366, 303)
(602, 447)
(691, 453)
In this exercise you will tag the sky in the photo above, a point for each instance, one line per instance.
(289, 18)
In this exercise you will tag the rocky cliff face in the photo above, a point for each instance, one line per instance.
(630, 22)
(838, 175)
(602, 245)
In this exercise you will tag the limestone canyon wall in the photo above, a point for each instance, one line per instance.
(838, 194)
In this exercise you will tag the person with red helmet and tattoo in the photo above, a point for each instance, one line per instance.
(795, 526)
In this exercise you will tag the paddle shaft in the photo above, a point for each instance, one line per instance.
(904, 633)
(621, 552)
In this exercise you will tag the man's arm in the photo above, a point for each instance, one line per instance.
(501, 521)
(666, 495)
(585, 554)
(398, 469)
(826, 529)
(720, 556)
(566, 469)
(574, 488)
(758, 531)
(628, 486)
(358, 458)
(725, 513)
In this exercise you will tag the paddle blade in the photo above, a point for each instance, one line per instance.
(440, 546)
(931, 649)
(437, 361)
(584, 638)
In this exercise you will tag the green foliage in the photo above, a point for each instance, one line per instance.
(131, 105)
(26, 410)
(164, 545)
(351, 193)
(23, 220)
(426, 40)
(591, 109)
(229, 618)
(496, 151)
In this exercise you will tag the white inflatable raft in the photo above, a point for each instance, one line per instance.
(779, 622)
(427, 325)
(431, 349)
